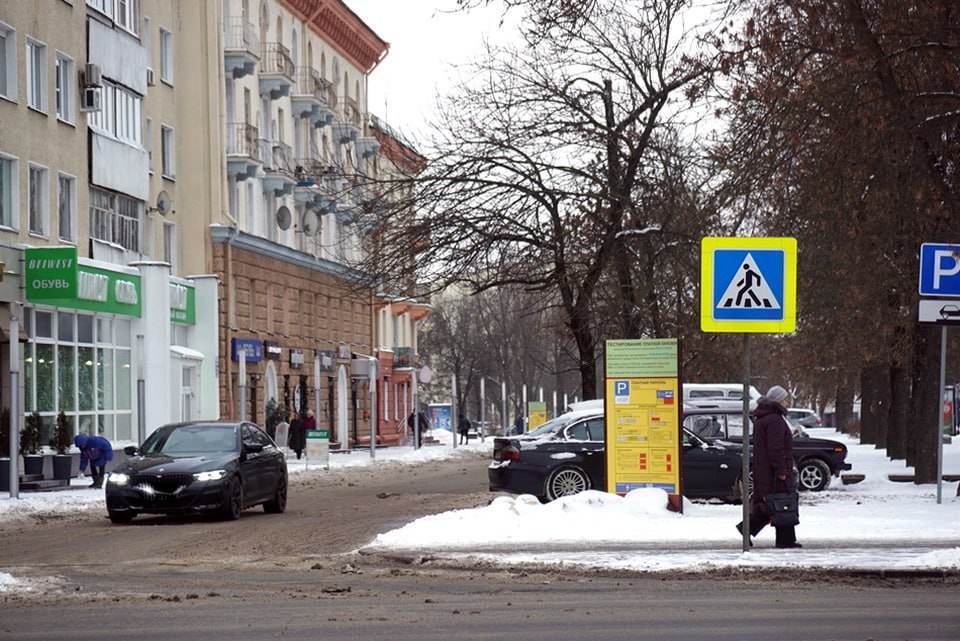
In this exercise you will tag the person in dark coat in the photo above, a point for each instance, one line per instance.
(518, 425)
(297, 436)
(95, 451)
(463, 427)
(772, 462)
(423, 424)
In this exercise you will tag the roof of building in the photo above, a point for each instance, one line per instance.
(344, 29)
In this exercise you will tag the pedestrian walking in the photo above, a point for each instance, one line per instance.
(518, 425)
(463, 426)
(297, 439)
(422, 420)
(95, 451)
(772, 463)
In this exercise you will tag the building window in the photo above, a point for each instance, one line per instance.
(127, 15)
(9, 192)
(120, 115)
(8, 62)
(39, 190)
(66, 88)
(103, 6)
(115, 218)
(168, 152)
(170, 245)
(81, 365)
(148, 142)
(36, 75)
(67, 207)
(166, 56)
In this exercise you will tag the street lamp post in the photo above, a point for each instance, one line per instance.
(14, 486)
(373, 407)
(483, 408)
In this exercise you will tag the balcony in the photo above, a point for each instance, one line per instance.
(311, 174)
(349, 122)
(367, 146)
(404, 358)
(276, 71)
(243, 152)
(277, 167)
(241, 47)
(310, 97)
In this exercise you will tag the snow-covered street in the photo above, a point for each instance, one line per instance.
(877, 524)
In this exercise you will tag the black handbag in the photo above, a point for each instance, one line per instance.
(784, 509)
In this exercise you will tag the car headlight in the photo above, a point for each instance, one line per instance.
(214, 475)
(118, 478)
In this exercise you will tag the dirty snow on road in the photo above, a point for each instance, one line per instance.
(900, 521)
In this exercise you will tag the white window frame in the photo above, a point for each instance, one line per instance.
(166, 56)
(73, 208)
(10, 70)
(36, 103)
(14, 222)
(147, 41)
(170, 245)
(106, 7)
(168, 152)
(65, 86)
(120, 116)
(148, 142)
(131, 21)
(44, 204)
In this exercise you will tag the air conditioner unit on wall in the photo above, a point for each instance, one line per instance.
(91, 75)
(90, 99)
(151, 78)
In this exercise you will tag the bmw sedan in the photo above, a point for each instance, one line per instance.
(189, 468)
(566, 456)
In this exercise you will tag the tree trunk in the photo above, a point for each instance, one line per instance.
(843, 416)
(899, 410)
(881, 378)
(586, 347)
(925, 426)
(870, 400)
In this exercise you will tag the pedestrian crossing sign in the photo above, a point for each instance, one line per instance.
(748, 285)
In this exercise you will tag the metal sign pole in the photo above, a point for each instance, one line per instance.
(373, 407)
(242, 410)
(454, 416)
(503, 408)
(554, 403)
(15, 310)
(483, 409)
(745, 451)
(416, 412)
(523, 409)
(943, 383)
(141, 394)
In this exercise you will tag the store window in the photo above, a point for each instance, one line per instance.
(79, 364)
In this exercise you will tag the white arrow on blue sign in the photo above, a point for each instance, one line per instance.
(939, 270)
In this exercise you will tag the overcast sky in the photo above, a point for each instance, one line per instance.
(426, 38)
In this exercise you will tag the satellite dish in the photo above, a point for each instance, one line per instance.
(284, 218)
(164, 204)
(310, 223)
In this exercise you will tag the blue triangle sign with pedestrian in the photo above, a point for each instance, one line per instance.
(748, 289)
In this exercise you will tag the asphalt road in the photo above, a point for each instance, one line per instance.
(295, 576)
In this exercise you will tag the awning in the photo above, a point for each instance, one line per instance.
(186, 353)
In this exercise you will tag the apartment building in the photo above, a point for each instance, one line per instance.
(90, 112)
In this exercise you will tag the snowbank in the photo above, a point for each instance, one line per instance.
(7, 582)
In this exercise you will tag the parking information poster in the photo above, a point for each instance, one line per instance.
(642, 413)
(536, 414)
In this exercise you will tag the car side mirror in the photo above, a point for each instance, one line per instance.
(252, 448)
(131, 450)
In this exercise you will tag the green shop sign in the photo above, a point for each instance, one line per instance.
(94, 289)
(183, 304)
(51, 273)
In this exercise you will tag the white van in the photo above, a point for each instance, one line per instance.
(717, 394)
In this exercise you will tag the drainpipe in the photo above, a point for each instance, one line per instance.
(231, 318)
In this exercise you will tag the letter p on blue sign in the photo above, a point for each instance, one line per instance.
(621, 392)
(939, 270)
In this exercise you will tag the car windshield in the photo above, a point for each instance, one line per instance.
(191, 440)
(551, 426)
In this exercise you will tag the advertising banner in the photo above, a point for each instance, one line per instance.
(318, 447)
(440, 416)
(536, 414)
(642, 411)
(50, 273)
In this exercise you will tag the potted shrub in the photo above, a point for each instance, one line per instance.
(30, 446)
(5, 450)
(62, 439)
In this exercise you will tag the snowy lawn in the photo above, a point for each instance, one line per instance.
(632, 532)
(82, 498)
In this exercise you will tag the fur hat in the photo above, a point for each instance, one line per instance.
(777, 394)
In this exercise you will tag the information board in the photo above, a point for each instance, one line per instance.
(536, 414)
(318, 447)
(642, 414)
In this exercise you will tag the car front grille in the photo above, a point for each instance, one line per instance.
(167, 483)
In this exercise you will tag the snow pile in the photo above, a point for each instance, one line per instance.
(55, 504)
(7, 582)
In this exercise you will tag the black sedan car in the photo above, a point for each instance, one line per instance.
(566, 456)
(199, 467)
(817, 459)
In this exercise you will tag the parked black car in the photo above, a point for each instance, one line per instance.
(566, 456)
(817, 459)
(199, 467)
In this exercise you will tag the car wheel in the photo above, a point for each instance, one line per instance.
(233, 500)
(814, 475)
(567, 481)
(120, 518)
(737, 491)
(278, 503)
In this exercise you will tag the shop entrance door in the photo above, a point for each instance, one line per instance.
(188, 393)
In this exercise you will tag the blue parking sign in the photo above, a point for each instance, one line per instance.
(621, 392)
(939, 270)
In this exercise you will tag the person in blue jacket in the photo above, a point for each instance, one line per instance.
(95, 450)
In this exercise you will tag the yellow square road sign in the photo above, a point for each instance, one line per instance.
(748, 285)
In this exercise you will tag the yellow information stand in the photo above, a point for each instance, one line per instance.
(536, 414)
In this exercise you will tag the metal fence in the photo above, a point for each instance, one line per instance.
(240, 35)
(276, 59)
(242, 140)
